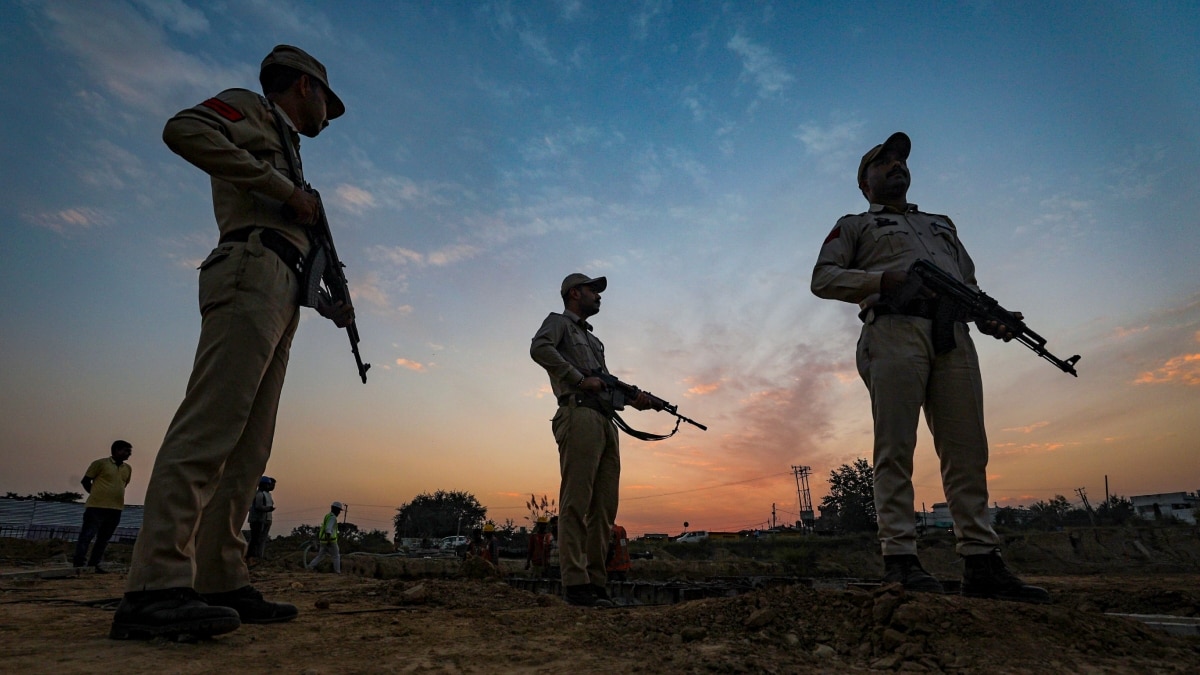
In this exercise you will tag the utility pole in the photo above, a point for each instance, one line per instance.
(807, 521)
(1082, 492)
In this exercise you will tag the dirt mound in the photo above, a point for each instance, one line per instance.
(391, 614)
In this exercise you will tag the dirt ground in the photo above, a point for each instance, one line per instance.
(385, 615)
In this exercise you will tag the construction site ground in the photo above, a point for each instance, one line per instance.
(391, 614)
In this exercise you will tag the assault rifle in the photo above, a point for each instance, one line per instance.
(619, 393)
(324, 279)
(955, 301)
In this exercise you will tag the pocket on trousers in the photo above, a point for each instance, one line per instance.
(559, 424)
(218, 276)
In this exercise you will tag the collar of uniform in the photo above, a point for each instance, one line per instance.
(883, 208)
(576, 319)
(284, 115)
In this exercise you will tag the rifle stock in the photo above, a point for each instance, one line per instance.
(971, 305)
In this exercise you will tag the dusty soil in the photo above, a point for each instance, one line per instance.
(387, 615)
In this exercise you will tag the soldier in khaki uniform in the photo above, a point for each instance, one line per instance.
(863, 260)
(188, 573)
(588, 454)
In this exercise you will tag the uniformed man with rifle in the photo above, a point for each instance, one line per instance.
(188, 574)
(915, 353)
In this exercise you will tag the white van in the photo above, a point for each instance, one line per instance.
(694, 537)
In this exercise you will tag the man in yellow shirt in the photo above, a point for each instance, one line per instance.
(104, 481)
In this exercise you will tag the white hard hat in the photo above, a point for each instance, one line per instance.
(338, 506)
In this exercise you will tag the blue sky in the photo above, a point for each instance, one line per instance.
(696, 153)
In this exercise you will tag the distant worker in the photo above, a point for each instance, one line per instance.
(260, 518)
(327, 537)
(906, 368)
(618, 564)
(541, 542)
(104, 481)
(189, 573)
(491, 546)
(589, 457)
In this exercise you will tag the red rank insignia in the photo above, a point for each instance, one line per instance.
(224, 109)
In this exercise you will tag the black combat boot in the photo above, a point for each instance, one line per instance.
(251, 607)
(584, 595)
(986, 576)
(907, 571)
(171, 612)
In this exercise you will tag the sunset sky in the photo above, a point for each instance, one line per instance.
(695, 153)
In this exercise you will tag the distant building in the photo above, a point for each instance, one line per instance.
(34, 519)
(938, 516)
(1179, 505)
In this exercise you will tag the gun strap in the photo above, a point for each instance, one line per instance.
(643, 435)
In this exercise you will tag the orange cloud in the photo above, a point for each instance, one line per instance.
(1183, 369)
(1028, 428)
(702, 389)
(1122, 332)
(411, 365)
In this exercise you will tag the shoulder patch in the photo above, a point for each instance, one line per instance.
(224, 109)
(833, 234)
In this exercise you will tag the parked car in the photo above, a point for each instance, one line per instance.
(452, 543)
(694, 537)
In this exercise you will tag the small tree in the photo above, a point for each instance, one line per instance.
(438, 515)
(1117, 510)
(852, 495)
(1049, 515)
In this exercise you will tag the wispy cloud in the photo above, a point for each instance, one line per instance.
(760, 66)
(1029, 428)
(125, 53)
(832, 145)
(411, 365)
(398, 255)
(1183, 369)
(66, 220)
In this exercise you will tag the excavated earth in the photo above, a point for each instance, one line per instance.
(393, 614)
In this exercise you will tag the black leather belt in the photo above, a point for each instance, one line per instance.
(581, 401)
(920, 307)
(272, 240)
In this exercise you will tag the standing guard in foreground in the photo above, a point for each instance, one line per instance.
(188, 574)
(588, 454)
(910, 361)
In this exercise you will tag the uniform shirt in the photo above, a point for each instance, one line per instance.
(264, 504)
(862, 247)
(108, 483)
(234, 139)
(566, 348)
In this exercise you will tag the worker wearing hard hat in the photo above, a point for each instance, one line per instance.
(328, 538)
(540, 544)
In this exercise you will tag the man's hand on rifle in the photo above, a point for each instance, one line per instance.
(592, 384)
(997, 329)
(891, 280)
(304, 207)
(340, 313)
(642, 402)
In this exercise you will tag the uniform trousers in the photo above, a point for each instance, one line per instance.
(217, 446)
(903, 375)
(589, 462)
